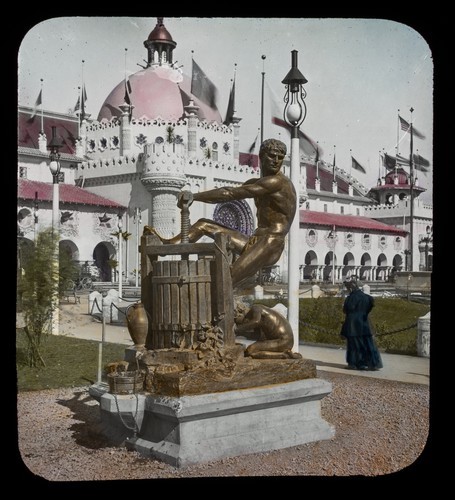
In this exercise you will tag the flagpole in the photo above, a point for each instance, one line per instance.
(334, 159)
(350, 168)
(411, 221)
(78, 120)
(383, 155)
(82, 94)
(262, 100)
(42, 116)
(333, 253)
(126, 50)
(317, 160)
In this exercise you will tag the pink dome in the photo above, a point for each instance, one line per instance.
(156, 93)
(402, 177)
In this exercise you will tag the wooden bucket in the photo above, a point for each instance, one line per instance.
(129, 382)
(181, 302)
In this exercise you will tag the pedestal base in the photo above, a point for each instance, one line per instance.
(189, 430)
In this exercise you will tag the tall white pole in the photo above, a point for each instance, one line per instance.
(54, 166)
(120, 258)
(294, 115)
(293, 245)
(136, 268)
(55, 320)
(138, 220)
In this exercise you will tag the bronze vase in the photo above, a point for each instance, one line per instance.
(137, 321)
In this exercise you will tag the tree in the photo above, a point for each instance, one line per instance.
(68, 271)
(38, 281)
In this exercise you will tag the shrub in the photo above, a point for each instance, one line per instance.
(40, 285)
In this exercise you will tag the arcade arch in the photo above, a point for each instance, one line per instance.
(102, 254)
(70, 248)
(310, 270)
(348, 265)
(381, 269)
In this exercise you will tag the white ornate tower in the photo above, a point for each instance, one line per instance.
(191, 113)
(236, 120)
(163, 176)
(125, 131)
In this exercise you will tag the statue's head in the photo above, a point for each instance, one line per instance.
(272, 153)
(273, 145)
(240, 311)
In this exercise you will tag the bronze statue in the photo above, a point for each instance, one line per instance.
(275, 333)
(276, 201)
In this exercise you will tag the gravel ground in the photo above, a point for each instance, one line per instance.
(381, 427)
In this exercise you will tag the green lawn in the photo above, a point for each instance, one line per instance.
(69, 362)
(388, 314)
(73, 362)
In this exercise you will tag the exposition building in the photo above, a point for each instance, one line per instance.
(152, 138)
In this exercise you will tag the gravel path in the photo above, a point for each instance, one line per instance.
(381, 427)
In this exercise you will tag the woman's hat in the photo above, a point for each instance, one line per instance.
(352, 281)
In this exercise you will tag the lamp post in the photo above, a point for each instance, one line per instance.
(137, 221)
(54, 166)
(333, 237)
(120, 257)
(428, 239)
(35, 214)
(294, 115)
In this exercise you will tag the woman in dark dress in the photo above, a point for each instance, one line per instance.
(361, 353)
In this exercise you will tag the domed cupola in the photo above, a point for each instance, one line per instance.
(160, 90)
(159, 45)
(399, 177)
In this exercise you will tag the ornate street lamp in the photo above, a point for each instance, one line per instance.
(294, 115)
(333, 236)
(120, 256)
(428, 239)
(54, 166)
(35, 214)
(137, 221)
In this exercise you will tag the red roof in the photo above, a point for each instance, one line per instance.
(325, 179)
(311, 218)
(68, 194)
(29, 129)
(389, 187)
(249, 159)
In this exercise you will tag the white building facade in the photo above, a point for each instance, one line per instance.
(153, 138)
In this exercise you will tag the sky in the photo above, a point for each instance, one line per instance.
(360, 72)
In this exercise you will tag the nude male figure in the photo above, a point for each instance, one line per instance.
(276, 201)
(275, 333)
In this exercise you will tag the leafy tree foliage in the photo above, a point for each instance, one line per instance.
(42, 281)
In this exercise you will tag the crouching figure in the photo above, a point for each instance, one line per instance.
(275, 333)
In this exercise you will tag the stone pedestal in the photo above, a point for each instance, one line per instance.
(110, 312)
(190, 430)
(258, 292)
(95, 303)
(423, 335)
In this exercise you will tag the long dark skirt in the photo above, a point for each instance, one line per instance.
(362, 353)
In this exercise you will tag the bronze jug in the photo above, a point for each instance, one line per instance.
(137, 321)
